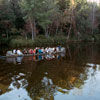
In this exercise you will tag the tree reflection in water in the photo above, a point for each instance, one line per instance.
(54, 77)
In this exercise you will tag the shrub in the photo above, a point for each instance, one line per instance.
(39, 41)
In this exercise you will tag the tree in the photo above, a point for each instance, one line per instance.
(83, 16)
(7, 17)
(39, 12)
(28, 7)
(73, 15)
(14, 5)
(46, 14)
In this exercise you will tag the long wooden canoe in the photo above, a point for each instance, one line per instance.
(26, 55)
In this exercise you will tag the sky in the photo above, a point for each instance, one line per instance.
(97, 1)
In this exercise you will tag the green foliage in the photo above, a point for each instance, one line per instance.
(39, 41)
(21, 42)
(49, 17)
(46, 12)
(4, 41)
(39, 10)
(6, 13)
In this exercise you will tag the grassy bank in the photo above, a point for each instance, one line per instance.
(39, 41)
(20, 41)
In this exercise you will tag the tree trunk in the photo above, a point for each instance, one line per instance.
(34, 27)
(93, 18)
(69, 33)
(73, 15)
(69, 52)
(7, 34)
(57, 29)
(74, 21)
(46, 33)
(32, 30)
(26, 36)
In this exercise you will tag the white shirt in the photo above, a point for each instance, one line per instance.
(19, 52)
(14, 51)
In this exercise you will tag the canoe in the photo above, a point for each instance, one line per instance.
(27, 55)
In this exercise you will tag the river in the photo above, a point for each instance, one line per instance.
(74, 75)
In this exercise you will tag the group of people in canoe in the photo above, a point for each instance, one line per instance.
(20, 59)
(36, 50)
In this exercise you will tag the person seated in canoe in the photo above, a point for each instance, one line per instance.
(31, 51)
(53, 49)
(63, 49)
(40, 51)
(10, 53)
(43, 50)
(34, 51)
(19, 52)
(37, 50)
(25, 51)
(46, 50)
(14, 51)
(50, 50)
(57, 49)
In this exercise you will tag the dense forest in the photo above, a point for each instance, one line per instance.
(49, 18)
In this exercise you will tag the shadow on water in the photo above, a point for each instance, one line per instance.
(73, 76)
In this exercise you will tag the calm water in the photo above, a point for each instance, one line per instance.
(71, 76)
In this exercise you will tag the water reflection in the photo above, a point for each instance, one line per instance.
(76, 76)
(18, 60)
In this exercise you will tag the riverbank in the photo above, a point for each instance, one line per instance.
(20, 41)
(39, 41)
